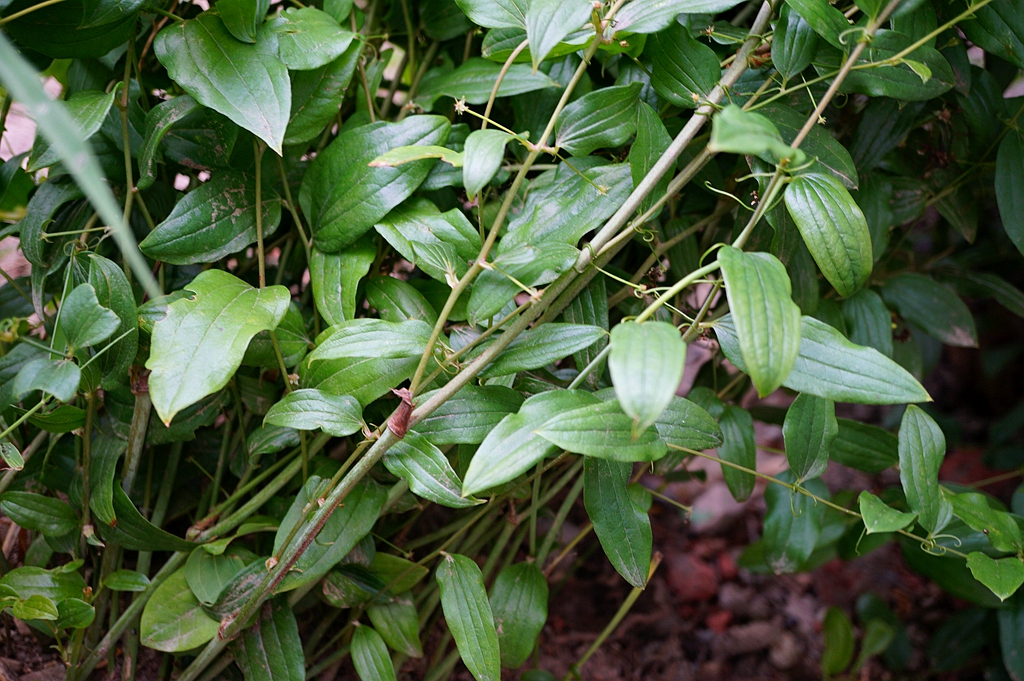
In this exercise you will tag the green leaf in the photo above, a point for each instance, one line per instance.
(1002, 575)
(35, 607)
(306, 38)
(766, 318)
(922, 448)
(683, 71)
(809, 430)
(652, 17)
(83, 320)
(270, 649)
(214, 220)
(898, 81)
(468, 614)
(134, 532)
(400, 573)
(1011, 628)
(309, 409)
(738, 447)
(938, 311)
(736, 131)
(335, 278)
(160, 119)
(602, 431)
(468, 415)
(528, 264)
(868, 321)
(173, 619)
(602, 119)
(402, 155)
(199, 345)
(878, 517)
(347, 525)
(826, 20)
(484, 152)
(422, 465)
(365, 378)
(622, 527)
(59, 378)
(864, 447)
(114, 291)
(792, 524)
(999, 526)
(652, 140)
(11, 456)
(878, 636)
(398, 624)
(243, 17)
(541, 346)
(238, 80)
(794, 43)
(998, 29)
(87, 108)
(126, 580)
(834, 229)
(684, 424)
(512, 447)
(103, 457)
(74, 613)
(208, 574)
(549, 21)
(819, 143)
(343, 196)
(495, 13)
(474, 80)
(646, 364)
(370, 655)
(519, 602)
(839, 642)
(374, 338)
(51, 517)
(57, 585)
(317, 95)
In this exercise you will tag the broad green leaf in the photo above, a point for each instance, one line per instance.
(602, 431)
(541, 346)
(292, 339)
(931, 306)
(1009, 184)
(834, 229)
(468, 614)
(173, 619)
(469, 415)
(103, 457)
(484, 152)
(549, 21)
(87, 109)
(622, 527)
(238, 80)
(59, 378)
(998, 29)
(74, 613)
(343, 196)
(528, 264)
(819, 143)
(495, 13)
(365, 378)
(270, 649)
(317, 95)
(1002, 575)
(134, 532)
(422, 465)
(113, 291)
(683, 70)
(809, 430)
(374, 338)
(84, 321)
(864, 447)
(474, 80)
(794, 43)
(348, 524)
(309, 409)
(11, 456)
(922, 448)
(655, 15)
(53, 121)
(684, 424)
(214, 220)
(100, 12)
(792, 524)
(602, 119)
(397, 301)
(418, 222)
(39, 213)
(766, 318)
(1011, 628)
(126, 580)
(907, 80)
(335, 278)
(838, 652)
(35, 607)
(400, 573)
(306, 38)
(646, 364)
(736, 131)
(512, 447)
(879, 517)
(207, 575)
(868, 321)
(519, 603)
(198, 346)
(999, 526)
(826, 20)
(398, 623)
(590, 306)
(160, 119)
(402, 155)
(652, 140)
(738, 447)
(33, 511)
(58, 584)
(243, 17)
(370, 655)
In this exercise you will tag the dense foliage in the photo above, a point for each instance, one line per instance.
(393, 284)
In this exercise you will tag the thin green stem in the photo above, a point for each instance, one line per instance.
(28, 10)
(258, 148)
(501, 76)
